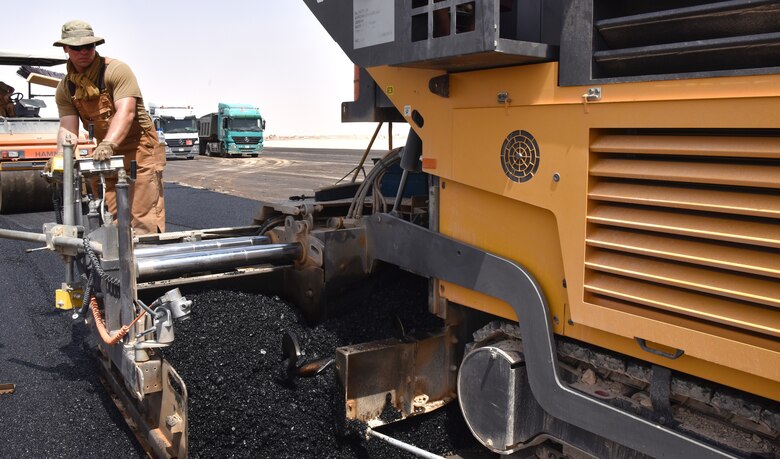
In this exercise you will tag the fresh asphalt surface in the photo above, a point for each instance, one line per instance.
(60, 409)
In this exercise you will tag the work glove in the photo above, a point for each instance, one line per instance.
(104, 151)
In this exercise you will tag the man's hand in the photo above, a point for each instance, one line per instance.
(104, 151)
(47, 167)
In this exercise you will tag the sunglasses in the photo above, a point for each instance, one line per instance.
(88, 47)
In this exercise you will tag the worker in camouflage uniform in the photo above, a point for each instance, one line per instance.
(104, 94)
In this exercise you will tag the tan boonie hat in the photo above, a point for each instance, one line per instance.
(78, 33)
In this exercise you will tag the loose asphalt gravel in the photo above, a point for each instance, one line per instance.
(228, 354)
(240, 405)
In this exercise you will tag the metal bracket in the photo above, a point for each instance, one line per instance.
(88, 166)
(593, 95)
(440, 85)
(315, 250)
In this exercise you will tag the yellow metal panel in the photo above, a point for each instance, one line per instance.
(67, 299)
(752, 147)
(742, 380)
(462, 136)
(504, 227)
(679, 301)
(742, 259)
(716, 282)
(758, 233)
(749, 175)
(731, 352)
(732, 202)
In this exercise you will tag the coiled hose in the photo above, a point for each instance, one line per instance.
(56, 200)
(95, 267)
(113, 282)
(101, 326)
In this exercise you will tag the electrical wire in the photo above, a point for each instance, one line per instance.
(57, 202)
(101, 326)
(113, 282)
(87, 294)
(356, 207)
(268, 224)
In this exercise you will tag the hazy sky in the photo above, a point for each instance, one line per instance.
(271, 53)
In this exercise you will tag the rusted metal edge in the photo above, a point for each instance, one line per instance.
(155, 446)
(7, 388)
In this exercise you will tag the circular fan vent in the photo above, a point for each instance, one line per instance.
(520, 156)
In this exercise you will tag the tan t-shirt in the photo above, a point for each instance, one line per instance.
(120, 82)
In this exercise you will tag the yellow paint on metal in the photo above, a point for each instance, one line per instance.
(506, 228)
(66, 299)
(738, 379)
(600, 189)
(727, 257)
(681, 197)
(57, 164)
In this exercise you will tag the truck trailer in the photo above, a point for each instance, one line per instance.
(599, 232)
(234, 130)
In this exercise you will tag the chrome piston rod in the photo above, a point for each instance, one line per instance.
(22, 235)
(199, 246)
(181, 263)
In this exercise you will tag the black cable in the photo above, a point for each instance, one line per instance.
(113, 282)
(87, 294)
(268, 224)
(57, 201)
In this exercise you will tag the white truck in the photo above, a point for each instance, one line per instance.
(179, 127)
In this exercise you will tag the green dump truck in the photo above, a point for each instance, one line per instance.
(234, 130)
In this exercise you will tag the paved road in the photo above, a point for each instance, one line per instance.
(60, 408)
(276, 175)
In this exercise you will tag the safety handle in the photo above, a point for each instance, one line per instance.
(643, 344)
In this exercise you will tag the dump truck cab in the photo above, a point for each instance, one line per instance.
(234, 130)
(179, 127)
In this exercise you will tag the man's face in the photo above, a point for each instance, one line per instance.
(81, 56)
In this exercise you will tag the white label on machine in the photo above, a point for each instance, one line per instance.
(373, 22)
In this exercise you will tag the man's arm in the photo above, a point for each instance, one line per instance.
(69, 124)
(123, 119)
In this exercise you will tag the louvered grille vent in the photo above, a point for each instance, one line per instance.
(687, 228)
(652, 38)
